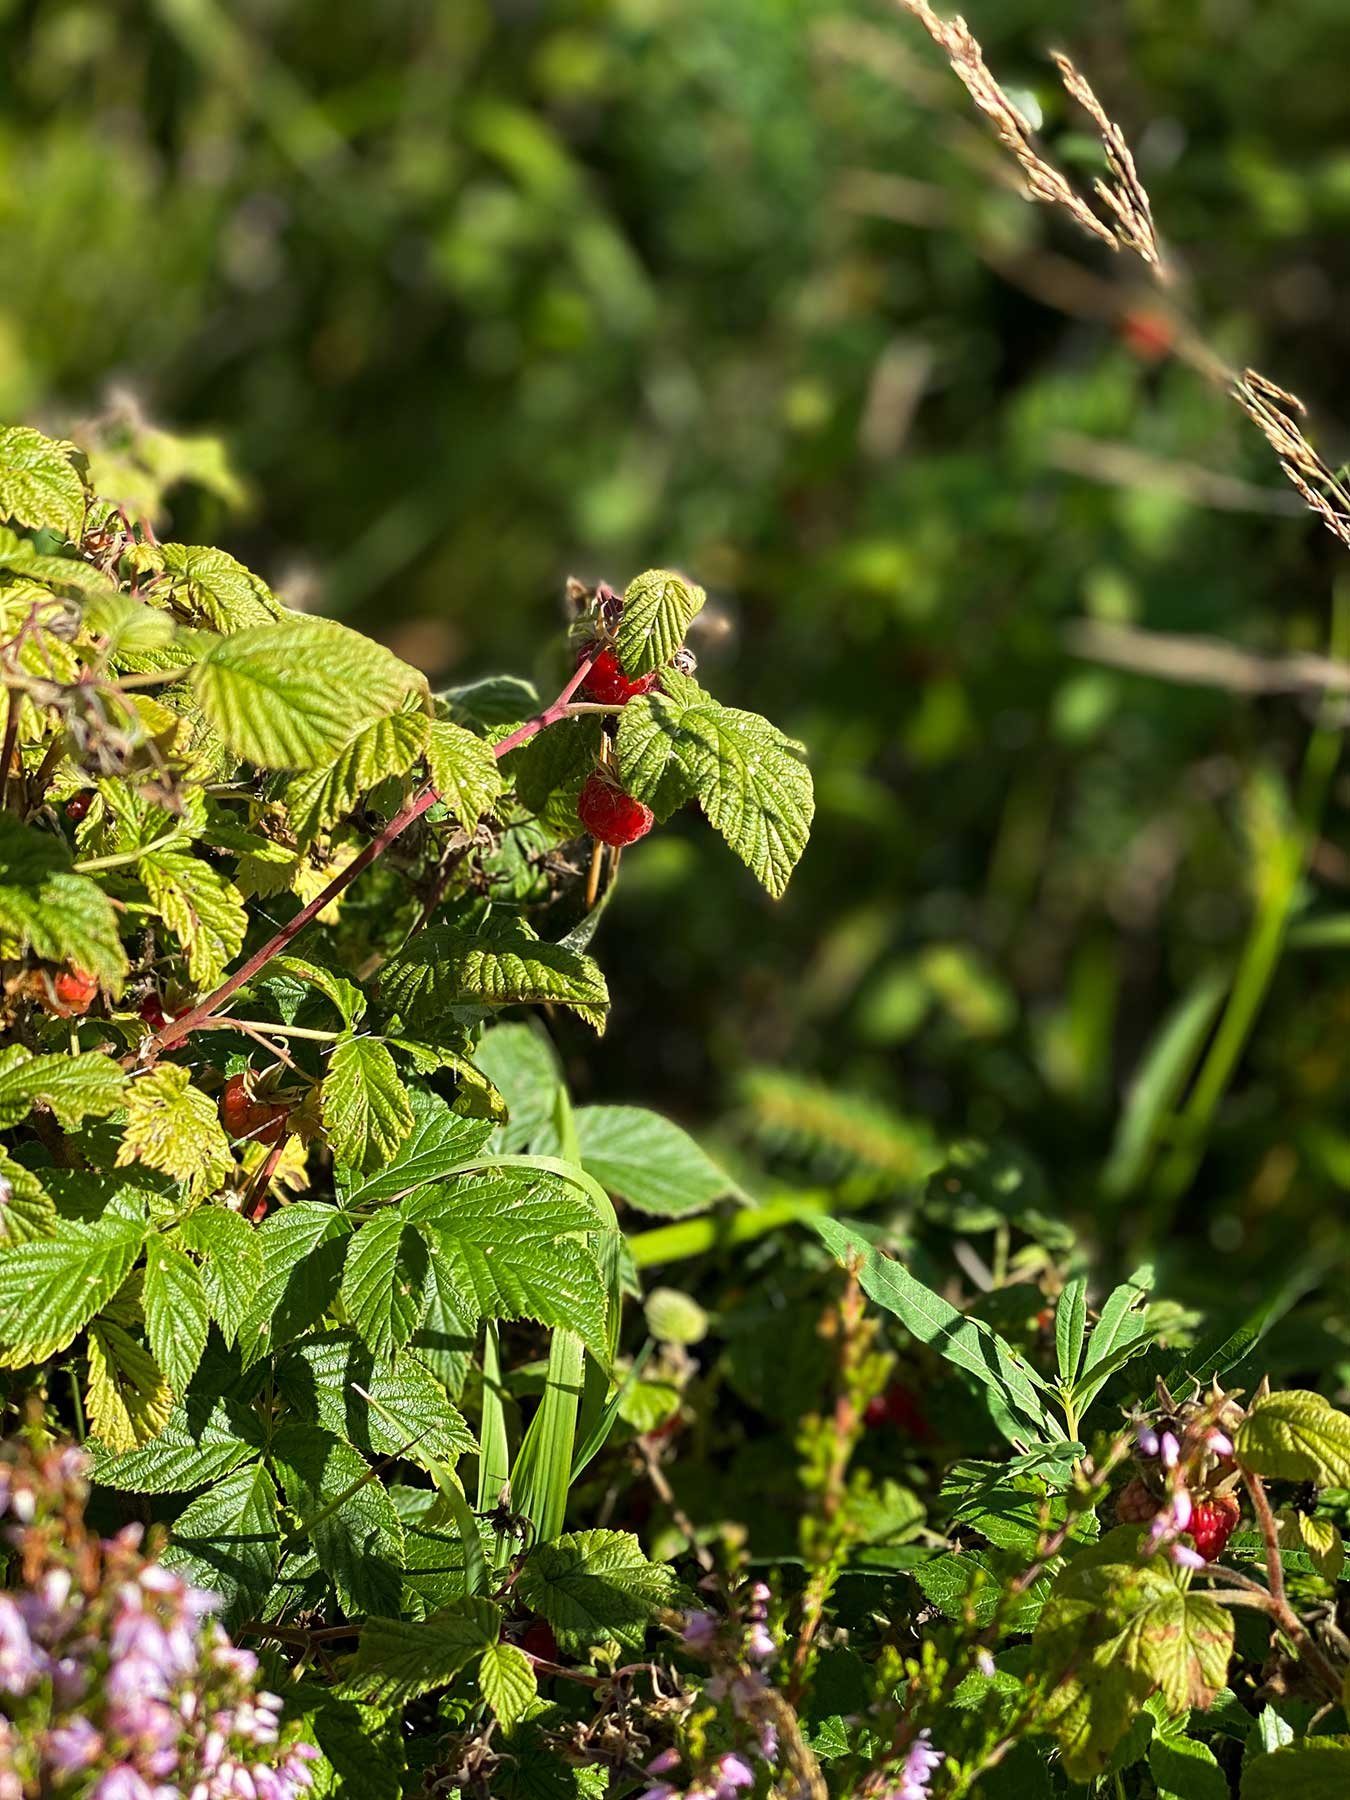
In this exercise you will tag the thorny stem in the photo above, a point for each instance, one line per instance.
(176, 1031)
(1280, 1609)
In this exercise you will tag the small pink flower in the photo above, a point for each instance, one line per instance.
(1169, 1450)
(759, 1645)
(731, 1773)
(122, 1782)
(1186, 1558)
(917, 1773)
(700, 1628)
(1219, 1443)
(71, 1747)
(664, 1764)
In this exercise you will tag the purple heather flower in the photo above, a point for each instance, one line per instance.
(1169, 1450)
(662, 1791)
(922, 1760)
(122, 1783)
(1186, 1558)
(1219, 1443)
(700, 1628)
(1148, 1440)
(665, 1763)
(71, 1747)
(731, 1773)
(759, 1645)
(1181, 1509)
(20, 1664)
(768, 1741)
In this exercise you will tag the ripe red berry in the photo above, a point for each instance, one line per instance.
(606, 681)
(75, 990)
(78, 805)
(610, 814)
(1213, 1523)
(540, 1641)
(898, 1407)
(259, 1121)
(152, 1011)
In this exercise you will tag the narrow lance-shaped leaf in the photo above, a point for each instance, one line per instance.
(1070, 1327)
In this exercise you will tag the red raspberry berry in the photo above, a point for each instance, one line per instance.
(611, 815)
(1213, 1523)
(152, 1011)
(540, 1641)
(606, 682)
(75, 990)
(78, 805)
(1135, 1505)
(875, 1413)
(260, 1121)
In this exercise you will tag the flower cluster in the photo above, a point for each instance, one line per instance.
(918, 1769)
(1184, 1488)
(115, 1683)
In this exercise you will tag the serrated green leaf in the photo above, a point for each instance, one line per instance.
(1070, 1328)
(466, 773)
(303, 1247)
(176, 1313)
(1296, 1435)
(47, 909)
(188, 1452)
(345, 995)
(438, 1142)
(52, 1287)
(346, 1515)
(658, 607)
(593, 1586)
(398, 1659)
(1314, 1768)
(66, 574)
(202, 909)
(556, 761)
(172, 1126)
(443, 968)
(1185, 1770)
(384, 748)
(507, 1680)
(127, 1399)
(384, 1285)
(39, 485)
(964, 1341)
(294, 694)
(366, 1110)
(231, 1267)
(26, 1208)
(503, 1245)
(73, 1088)
(214, 590)
(229, 1541)
(754, 786)
(653, 755)
(407, 1414)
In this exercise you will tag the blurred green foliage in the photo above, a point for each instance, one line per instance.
(735, 285)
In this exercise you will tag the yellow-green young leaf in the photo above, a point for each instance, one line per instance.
(384, 1284)
(51, 1287)
(47, 909)
(464, 770)
(592, 1586)
(366, 1110)
(172, 1126)
(212, 589)
(1296, 1435)
(176, 1315)
(231, 1263)
(316, 799)
(398, 1659)
(1321, 1538)
(26, 1208)
(39, 485)
(203, 910)
(127, 1399)
(442, 968)
(653, 753)
(657, 609)
(71, 1087)
(293, 694)
(507, 1680)
(64, 573)
(1314, 1768)
(754, 786)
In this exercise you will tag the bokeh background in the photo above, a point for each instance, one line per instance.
(480, 294)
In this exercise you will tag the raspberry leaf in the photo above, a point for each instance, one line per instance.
(52, 1287)
(384, 1282)
(399, 1659)
(39, 483)
(303, 1247)
(71, 1087)
(442, 968)
(172, 1126)
(231, 1262)
(294, 694)
(216, 591)
(366, 1109)
(657, 609)
(754, 785)
(320, 1378)
(47, 908)
(1296, 1435)
(466, 773)
(203, 910)
(177, 1316)
(507, 1679)
(594, 1586)
(229, 1541)
(438, 1142)
(127, 1398)
(346, 1515)
(384, 748)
